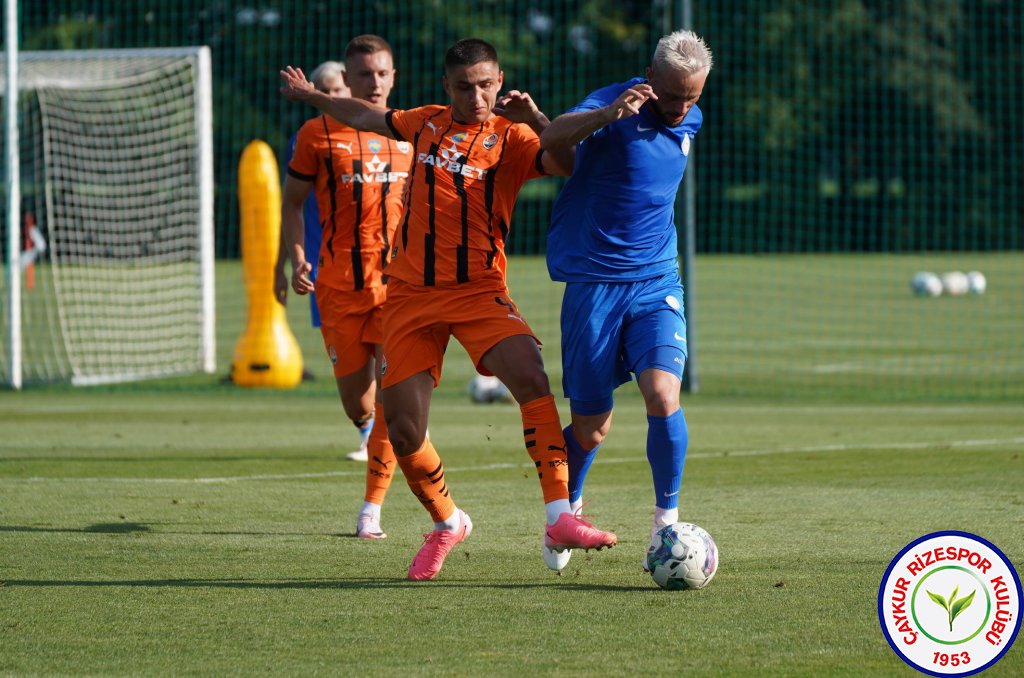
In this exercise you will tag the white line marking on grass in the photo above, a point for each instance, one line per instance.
(604, 460)
(862, 446)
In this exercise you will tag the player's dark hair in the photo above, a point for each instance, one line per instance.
(469, 51)
(367, 43)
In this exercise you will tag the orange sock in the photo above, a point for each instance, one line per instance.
(425, 474)
(544, 442)
(380, 467)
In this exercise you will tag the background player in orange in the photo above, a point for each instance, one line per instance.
(328, 77)
(358, 180)
(447, 278)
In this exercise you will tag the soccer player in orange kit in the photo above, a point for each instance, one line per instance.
(358, 180)
(447, 278)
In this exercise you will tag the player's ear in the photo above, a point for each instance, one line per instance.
(648, 72)
(501, 79)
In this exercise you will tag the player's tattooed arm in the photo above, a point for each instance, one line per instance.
(571, 128)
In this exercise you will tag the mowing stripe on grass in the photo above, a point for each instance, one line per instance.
(612, 460)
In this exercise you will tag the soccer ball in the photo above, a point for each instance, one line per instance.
(976, 283)
(687, 557)
(483, 389)
(925, 284)
(954, 283)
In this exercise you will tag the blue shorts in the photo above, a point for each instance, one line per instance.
(611, 331)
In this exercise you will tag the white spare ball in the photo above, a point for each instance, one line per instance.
(926, 284)
(954, 283)
(976, 282)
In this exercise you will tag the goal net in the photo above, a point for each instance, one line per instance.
(116, 261)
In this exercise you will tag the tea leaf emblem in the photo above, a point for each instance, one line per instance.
(953, 606)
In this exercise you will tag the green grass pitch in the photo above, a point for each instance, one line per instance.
(188, 527)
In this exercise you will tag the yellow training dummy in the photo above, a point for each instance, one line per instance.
(267, 354)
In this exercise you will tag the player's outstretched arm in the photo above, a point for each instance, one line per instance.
(355, 113)
(519, 107)
(571, 128)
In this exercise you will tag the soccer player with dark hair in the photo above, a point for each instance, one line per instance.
(447, 278)
(358, 180)
(613, 242)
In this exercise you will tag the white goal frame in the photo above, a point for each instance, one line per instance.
(34, 75)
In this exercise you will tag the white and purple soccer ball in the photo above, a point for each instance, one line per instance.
(686, 558)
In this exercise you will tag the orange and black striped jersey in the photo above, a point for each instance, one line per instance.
(460, 194)
(358, 179)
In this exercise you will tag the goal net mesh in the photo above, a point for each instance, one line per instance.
(111, 179)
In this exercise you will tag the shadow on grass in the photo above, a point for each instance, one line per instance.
(321, 584)
(134, 528)
(99, 528)
(329, 455)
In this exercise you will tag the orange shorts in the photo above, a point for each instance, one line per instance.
(418, 322)
(351, 324)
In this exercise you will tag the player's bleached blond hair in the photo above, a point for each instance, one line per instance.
(684, 52)
(324, 72)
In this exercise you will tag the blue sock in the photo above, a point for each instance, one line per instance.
(364, 431)
(667, 439)
(579, 463)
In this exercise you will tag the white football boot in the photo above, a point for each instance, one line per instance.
(368, 527)
(359, 455)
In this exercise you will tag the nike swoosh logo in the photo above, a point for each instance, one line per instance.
(641, 128)
(671, 495)
(677, 337)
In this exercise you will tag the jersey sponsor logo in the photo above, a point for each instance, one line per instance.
(490, 141)
(452, 154)
(685, 145)
(376, 165)
(404, 146)
(432, 126)
(375, 172)
(332, 354)
(450, 159)
(374, 145)
(673, 302)
(641, 128)
(677, 337)
(347, 147)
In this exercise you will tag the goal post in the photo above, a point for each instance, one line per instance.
(116, 168)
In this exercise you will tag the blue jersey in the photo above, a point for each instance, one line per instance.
(614, 220)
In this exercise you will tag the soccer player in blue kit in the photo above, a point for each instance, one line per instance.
(613, 242)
